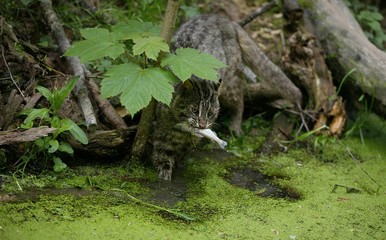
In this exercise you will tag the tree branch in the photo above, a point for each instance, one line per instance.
(258, 12)
(147, 117)
(80, 90)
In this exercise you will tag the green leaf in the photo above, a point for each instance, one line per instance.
(62, 94)
(99, 43)
(375, 26)
(55, 122)
(65, 147)
(59, 165)
(95, 33)
(26, 2)
(137, 86)
(54, 145)
(151, 46)
(370, 15)
(27, 125)
(77, 132)
(304, 136)
(188, 61)
(45, 92)
(42, 143)
(64, 125)
(134, 29)
(42, 113)
(190, 11)
(88, 50)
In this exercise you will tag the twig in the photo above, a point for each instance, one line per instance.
(257, 13)
(348, 189)
(136, 200)
(104, 105)
(80, 90)
(359, 164)
(9, 71)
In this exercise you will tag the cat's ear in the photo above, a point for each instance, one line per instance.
(186, 86)
(217, 85)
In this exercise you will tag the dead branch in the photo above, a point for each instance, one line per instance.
(80, 90)
(9, 71)
(288, 95)
(304, 63)
(29, 135)
(105, 144)
(258, 12)
(105, 106)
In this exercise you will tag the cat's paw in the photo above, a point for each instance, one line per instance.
(236, 130)
(165, 173)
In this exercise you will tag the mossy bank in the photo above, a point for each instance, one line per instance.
(337, 192)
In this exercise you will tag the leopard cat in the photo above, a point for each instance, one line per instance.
(195, 105)
(196, 102)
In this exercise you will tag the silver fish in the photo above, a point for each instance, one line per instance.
(208, 133)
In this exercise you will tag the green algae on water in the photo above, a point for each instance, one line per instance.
(221, 209)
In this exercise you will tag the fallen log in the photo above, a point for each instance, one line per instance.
(105, 144)
(347, 48)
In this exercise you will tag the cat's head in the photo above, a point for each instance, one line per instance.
(197, 102)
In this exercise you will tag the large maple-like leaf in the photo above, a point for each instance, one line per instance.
(98, 43)
(134, 29)
(151, 46)
(188, 61)
(137, 85)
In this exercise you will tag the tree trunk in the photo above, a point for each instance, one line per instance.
(348, 48)
(147, 117)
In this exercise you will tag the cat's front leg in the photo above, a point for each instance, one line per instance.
(165, 170)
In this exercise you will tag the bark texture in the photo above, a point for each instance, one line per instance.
(348, 48)
(16, 136)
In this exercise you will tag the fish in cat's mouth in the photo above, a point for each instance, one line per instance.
(210, 134)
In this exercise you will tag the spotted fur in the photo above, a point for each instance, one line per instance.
(196, 102)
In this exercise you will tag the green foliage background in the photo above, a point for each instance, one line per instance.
(144, 73)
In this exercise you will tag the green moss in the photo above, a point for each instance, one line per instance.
(222, 210)
(306, 3)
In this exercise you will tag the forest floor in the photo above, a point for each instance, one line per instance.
(323, 188)
(336, 192)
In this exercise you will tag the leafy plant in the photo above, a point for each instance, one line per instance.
(365, 112)
(51, 144)
(370, 21)
(369, 18)
(145, 73)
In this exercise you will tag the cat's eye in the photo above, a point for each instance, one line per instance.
(194, 109)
